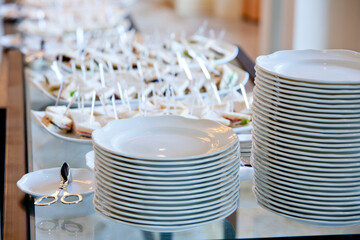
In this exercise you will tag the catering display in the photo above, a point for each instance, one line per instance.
(175, 189)
(306, 140)
(137, 98)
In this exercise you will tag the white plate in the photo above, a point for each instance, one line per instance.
(304, 177)
(303, 213)
(304, 220)
(321, 215)
(305, 99)
(300, 101)
(101, 170)
(310, 199)
(334, 197)
(271, 99)
(327, 210)
(313, 131)
(294, 139)
(149, 176)
(276, 85)
(309, 115)
(314, 66)
(149, 209)
(195, 163)
(315, 141)
(309, 121)
(154, 185)
(46, 181)
(72, 137)
(290, 154)
(164, 199)
(156, 217)
(317, 151)
(174, 175)
(304, 171)
(164, 137)
(311, 87)
(164, 205)
(310, 165)
(117, 190)
(321, 137)
(315, 190)
(156, 227)
(169, 166)
(325, 157)
(160, 170)
(245, 172)
(309, 126)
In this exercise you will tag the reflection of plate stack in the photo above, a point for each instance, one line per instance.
(306, 139)
(166, 173)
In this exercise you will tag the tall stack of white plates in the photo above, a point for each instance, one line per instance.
(306, 137)
(166, 173)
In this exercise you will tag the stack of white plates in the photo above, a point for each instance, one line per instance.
(166, 173)
(306, 137)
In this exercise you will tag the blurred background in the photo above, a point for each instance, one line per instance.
(259, 26)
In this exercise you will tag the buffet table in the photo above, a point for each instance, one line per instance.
(30, 148)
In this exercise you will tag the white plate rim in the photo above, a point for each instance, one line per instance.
(228, 136)
(161, 174)
(346, 201)
(158, 228)
(226, 153)
(268, 62)
(264, 97)
(278, 85)
(300, 140)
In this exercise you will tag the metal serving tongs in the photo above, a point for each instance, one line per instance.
(65, 180)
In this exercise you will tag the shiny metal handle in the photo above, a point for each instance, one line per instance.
(54, 196)
(66, 195)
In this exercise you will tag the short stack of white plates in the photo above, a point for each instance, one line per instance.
(306, 137)
(166, 173)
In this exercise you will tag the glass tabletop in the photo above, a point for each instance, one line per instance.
(80, 221)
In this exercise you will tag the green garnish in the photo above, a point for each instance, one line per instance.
(186, 54)
(230, 79)
(72, 93)
(244, 122)
(53, 89)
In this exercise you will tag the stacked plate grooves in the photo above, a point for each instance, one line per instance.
(157, 190)
(306, 137)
